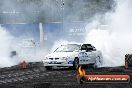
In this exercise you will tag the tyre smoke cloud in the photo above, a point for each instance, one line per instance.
(13, 52)
(5, 43)
(114, 38)
(46, 12)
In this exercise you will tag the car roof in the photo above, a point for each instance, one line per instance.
(71, 44)
(77, 44)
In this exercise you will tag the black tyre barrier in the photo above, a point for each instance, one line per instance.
(128, 60)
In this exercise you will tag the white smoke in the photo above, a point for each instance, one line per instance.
(8, 43)
(115, 40)
(5, 42)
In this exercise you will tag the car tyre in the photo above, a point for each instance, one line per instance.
(97, 63)
(48, 67)
(76, 63)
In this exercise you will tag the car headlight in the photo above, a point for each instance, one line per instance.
(64, 58)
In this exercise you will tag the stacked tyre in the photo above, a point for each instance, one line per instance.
(128, 60)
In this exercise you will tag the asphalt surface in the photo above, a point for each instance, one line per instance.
(36, 76)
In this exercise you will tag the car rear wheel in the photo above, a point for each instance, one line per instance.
(76, 63)
(48, 67)
(97, 63)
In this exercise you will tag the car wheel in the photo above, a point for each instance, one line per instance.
(97, 63)
(48, 67)
(76, 63)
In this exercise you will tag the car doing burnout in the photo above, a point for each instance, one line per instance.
(73, 55)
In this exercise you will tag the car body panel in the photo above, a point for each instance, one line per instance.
(67, 58)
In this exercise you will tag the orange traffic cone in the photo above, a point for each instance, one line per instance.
(24, 65)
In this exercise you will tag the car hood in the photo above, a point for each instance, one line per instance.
(62, 54)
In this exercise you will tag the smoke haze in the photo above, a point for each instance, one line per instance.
(115, 39)
(5, 42)
(34, 11)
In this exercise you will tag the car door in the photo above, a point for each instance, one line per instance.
(86, 56)
(91, 52)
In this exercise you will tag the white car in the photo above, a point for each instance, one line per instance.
(73, 55)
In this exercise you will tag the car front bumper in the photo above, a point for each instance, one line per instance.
(58, 63)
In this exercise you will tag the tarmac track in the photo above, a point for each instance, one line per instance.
(37, 77)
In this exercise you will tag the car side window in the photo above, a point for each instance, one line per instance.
(89, 47)
(83, 47)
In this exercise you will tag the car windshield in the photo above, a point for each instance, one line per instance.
(68, 48)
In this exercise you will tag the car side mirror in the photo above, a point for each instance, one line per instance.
(83, 51)
(94, 49)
